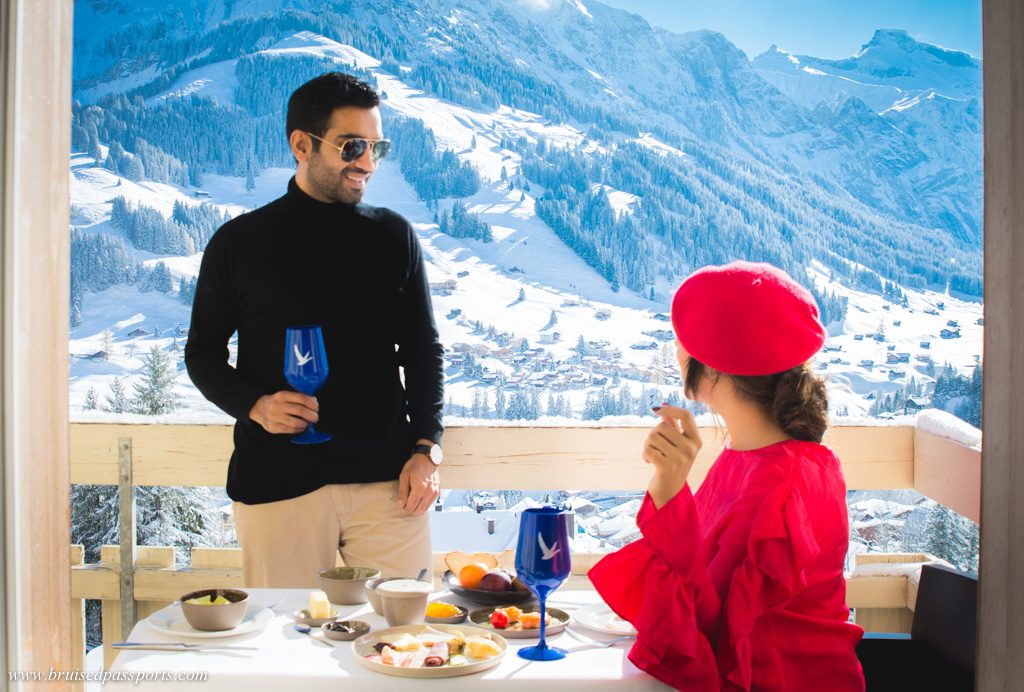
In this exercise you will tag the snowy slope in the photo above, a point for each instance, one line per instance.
(526, 255)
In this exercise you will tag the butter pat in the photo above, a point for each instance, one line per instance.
(319, 606)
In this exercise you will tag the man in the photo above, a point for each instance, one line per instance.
(318, 256)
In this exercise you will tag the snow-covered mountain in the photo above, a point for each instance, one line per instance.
(607, 157)
(889, 68)
(931, 98)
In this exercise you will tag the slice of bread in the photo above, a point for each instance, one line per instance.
(507, 560)
(456, 560)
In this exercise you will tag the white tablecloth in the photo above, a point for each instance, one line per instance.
(287, 660)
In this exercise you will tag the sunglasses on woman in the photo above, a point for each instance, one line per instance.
(354, 147)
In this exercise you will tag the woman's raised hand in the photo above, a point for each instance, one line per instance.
(671, 447)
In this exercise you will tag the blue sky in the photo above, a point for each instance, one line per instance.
(822, 28)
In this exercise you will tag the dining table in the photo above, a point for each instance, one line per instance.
(277, 657)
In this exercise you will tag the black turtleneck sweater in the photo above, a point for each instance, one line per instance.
(358, 272)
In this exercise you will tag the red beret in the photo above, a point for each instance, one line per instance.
(746, 318)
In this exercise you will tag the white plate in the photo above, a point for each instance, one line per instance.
(559, 619)
(600, 618)
(363, 647)
(172, 621)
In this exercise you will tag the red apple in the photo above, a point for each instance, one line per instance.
(495, 580)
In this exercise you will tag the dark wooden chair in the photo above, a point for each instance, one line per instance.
(939, 652)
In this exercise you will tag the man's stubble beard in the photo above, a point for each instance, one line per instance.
(329, 183)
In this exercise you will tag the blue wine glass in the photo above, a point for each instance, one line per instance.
(543, 562)
(305, 368)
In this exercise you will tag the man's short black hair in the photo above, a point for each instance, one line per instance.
(311, 105)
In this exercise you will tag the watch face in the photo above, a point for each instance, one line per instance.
(435, 454)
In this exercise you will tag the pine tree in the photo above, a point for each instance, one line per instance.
(91, 400)
(939, 535)
(117, 399)
(250, 179)
(108, 344)
(581, 347)
(154, 395)
(499, 403)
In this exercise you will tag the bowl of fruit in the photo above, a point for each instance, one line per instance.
(484, 578)
(214, 610)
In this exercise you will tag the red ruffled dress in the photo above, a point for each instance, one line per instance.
(740, 587)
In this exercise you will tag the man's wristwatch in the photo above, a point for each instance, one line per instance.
(432, 452)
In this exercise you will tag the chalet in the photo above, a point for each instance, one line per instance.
(662, 317)
(200, 194)
(599, 380)
(931, 311)
(453, 313)
(645, 346)
(98, 357)
(926, 344)
(952, 323)
(941, 305)
(462, 274)
(602, 314)
(571, 303)
(915, 404)
(923, 358)
(609, 353)
(829, 348)
(950, 333)
(136, 333)
(858, 337)
(980, 322)
(443, 288)
(867, 363)
(897, 323)
(552, 338)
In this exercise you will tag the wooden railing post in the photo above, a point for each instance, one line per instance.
(77, 621)
(126, 533)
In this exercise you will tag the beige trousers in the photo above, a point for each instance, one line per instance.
(285, 543)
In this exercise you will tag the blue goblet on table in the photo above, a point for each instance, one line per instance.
(305, 368)
(543, 562)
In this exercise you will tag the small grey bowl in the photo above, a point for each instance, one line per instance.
(215, 618)
(358, 628)
(302, 617)
(453, 620)
(346, 585)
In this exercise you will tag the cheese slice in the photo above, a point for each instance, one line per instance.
(319, 606)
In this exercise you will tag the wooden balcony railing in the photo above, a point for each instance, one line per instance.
(882, 457)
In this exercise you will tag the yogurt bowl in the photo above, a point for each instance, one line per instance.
(403, 601)
(371, 592)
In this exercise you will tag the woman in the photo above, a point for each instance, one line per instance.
(740, 585)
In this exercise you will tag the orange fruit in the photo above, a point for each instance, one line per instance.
(471, 574)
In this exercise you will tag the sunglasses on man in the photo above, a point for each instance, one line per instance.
(354, 147)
